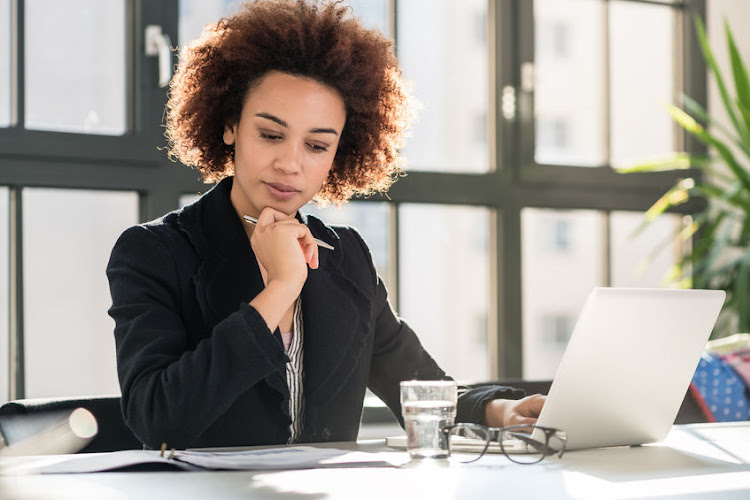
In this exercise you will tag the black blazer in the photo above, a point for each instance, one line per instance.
(197, 365)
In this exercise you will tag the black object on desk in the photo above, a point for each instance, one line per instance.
(113, 434)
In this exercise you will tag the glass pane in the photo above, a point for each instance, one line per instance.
(70, 347)
(374, 13)
(642, 81)
(75, 78)
(4, 305)
(646, 258)
(5, 76)
(194, 14)
(562, 260)
(447, 304)
(187, 199)
(442, 46)
(569, 109)
(371, 221)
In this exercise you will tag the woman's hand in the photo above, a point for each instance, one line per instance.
(284, 248)
(505, 412)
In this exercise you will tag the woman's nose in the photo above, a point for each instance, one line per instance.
(288, 159)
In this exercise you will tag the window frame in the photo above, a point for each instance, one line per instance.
(135, 161)
(138, 162)
(522, 183)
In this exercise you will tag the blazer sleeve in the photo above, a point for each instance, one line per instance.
(398, 355)
(173, 391)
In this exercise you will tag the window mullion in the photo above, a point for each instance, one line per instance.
(17, 92)
(606, 136)
(16, 356)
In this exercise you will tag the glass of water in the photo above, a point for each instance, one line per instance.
(428, 407)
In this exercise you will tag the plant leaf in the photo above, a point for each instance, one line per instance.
(741, 296)
(696, 110)
(676, 195)
(711, 61)
(717, 246)
(741, 81)
(745, 112)
(695, 128)
(679, 161)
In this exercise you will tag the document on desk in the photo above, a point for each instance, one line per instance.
(286, 458)
(296, 457)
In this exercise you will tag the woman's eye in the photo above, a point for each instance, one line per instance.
(318, 147)
(270, 136)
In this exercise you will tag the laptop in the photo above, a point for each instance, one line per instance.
(628, 364)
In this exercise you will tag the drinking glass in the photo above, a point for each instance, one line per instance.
(428, 408)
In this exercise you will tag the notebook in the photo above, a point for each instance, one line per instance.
(627, 365)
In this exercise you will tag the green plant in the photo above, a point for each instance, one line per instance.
(720, 256)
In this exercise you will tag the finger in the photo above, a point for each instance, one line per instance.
(270, 215)
(535, 404)
(521, 420)
(310, 249)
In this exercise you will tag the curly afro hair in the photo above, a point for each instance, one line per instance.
(307, 38)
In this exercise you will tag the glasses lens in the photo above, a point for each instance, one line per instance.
(529, 444)
(468, 442)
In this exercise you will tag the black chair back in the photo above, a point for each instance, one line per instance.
(113, 434)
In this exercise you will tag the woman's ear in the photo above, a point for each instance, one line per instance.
(229, 133)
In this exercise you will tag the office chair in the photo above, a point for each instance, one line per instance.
(113, 434)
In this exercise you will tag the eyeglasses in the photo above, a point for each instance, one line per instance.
(522, 444)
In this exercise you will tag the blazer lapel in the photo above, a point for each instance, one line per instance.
(229, 273)
(336, 313)
(337, 316)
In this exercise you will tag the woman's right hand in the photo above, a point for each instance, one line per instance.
(284, 248)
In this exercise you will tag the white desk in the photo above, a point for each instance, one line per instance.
(710, 461)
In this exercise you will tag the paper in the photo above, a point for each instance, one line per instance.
(295, 457)
(90, 462)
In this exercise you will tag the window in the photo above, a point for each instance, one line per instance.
(579, 219)
(80, 162)
(5, 57)
(76, 84)
(4, 299)
(567, 253)
(644, 256)
(68, 235)
(556, 330)
(372, 220)
(569, 98)
(445, 282)
(509, 213)
(552, 136)
(450, 75)
(648, 51)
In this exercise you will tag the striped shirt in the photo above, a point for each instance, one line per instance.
(293, 347)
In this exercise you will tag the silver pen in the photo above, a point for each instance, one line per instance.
(320, 243)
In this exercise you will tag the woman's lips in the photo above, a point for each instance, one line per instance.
(281, 191)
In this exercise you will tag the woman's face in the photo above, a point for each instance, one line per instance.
(284, 143)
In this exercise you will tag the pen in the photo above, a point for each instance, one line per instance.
(321, 243)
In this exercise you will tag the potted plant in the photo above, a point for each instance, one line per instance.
(720, 232)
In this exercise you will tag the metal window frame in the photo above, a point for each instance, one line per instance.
(138, 162)
(518, 182)
(135, 161)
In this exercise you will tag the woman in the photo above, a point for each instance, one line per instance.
(231, 333)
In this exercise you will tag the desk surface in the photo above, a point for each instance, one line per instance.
(695, 461)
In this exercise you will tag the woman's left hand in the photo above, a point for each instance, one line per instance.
(505, 412)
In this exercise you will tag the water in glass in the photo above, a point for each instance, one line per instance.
(424, 422)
